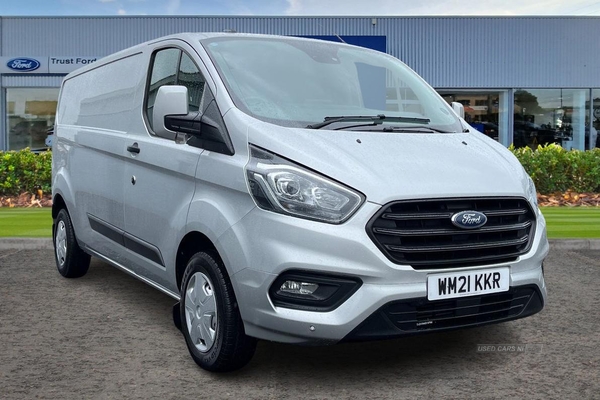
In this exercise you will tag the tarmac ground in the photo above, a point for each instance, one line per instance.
(107, 335)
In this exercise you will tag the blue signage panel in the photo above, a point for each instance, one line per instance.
(370, 42)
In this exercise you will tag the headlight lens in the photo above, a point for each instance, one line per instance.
(531, 192)
(279, 185)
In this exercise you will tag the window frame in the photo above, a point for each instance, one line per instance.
(155, 51)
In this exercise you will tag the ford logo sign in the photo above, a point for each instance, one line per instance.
(469, 219)
(23, 64)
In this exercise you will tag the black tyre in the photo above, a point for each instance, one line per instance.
(71, 261)
(210, 319)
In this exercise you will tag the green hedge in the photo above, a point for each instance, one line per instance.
(24, 171)
(552, 168)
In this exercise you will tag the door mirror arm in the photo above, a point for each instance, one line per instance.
(187, 124)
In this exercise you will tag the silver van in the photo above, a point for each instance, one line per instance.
(292, 190)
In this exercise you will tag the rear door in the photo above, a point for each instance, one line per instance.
(160, 172)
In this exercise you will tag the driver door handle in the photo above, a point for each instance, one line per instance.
(133, 148)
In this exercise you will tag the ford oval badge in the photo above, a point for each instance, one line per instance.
(23, 64)
(469, 219)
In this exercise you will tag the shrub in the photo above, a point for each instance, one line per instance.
(554, 169)
(24, 171)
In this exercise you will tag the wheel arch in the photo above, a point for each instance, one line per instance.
(62, 192)
(58, 203)
(190, 244)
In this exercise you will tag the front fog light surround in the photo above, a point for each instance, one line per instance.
(279, 185)
(310, 291)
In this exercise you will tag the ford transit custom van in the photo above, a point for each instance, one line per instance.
(291, 190)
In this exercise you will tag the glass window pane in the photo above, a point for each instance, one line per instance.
(293, 83)
(31, 113)
(593, 140)
(544, 116)
(164, 72)
(484, 111)
(190, 77)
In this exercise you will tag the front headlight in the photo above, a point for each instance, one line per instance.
(279, 185)
(531, 192)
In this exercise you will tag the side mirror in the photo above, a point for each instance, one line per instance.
(170, 100)
(459, 109)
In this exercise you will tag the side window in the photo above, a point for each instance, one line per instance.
(190, 77)
(164, 72)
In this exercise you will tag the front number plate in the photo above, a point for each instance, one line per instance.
(467, 283)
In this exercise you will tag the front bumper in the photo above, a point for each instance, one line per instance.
(263, 245)
(413, 316)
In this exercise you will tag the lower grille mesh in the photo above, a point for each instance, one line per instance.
(425, 315)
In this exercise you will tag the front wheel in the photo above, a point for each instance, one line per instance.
(71, 261)
(211, 322)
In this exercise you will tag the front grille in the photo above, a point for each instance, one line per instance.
(420, 314)
(421, 234)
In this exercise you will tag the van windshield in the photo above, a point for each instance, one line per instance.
(296, 82)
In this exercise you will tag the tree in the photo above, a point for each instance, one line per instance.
(526, 103)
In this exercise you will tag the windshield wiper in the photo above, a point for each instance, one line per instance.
(374, 119)
(416, 129)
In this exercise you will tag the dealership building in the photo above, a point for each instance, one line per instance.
(522, 80)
